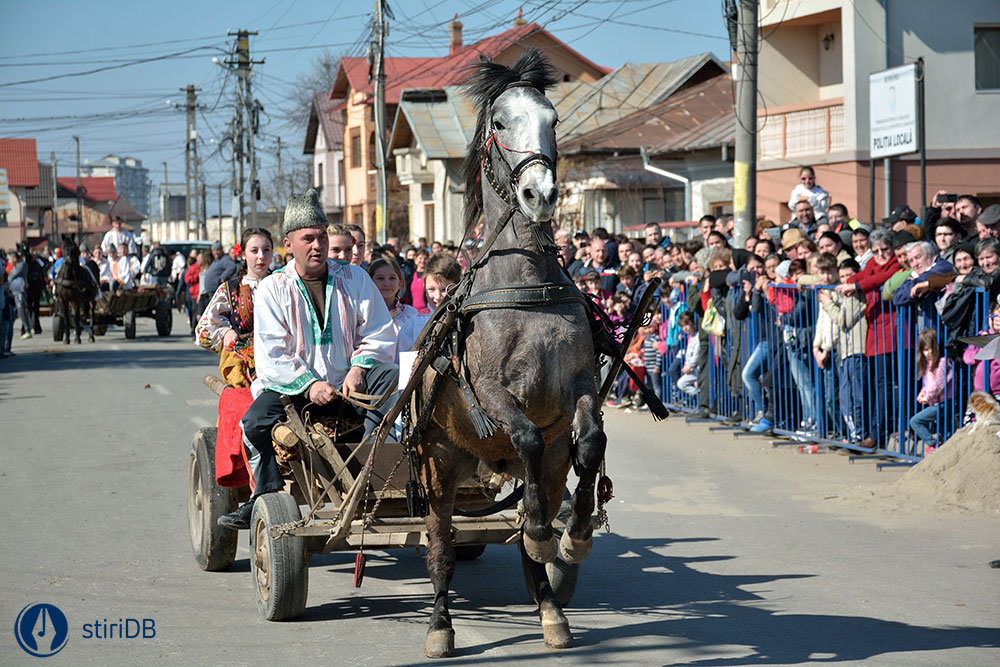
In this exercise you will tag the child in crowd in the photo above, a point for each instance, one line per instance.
(980, 372)
(688, 382)
(824, 341)
(593, 281)
(441, 271)
(936, 372)
(674, 304)
(652, 358)
(619, 313)
(388, 278)
(626, 281)
(847, 317)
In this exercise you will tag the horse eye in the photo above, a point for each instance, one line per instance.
(498, 126)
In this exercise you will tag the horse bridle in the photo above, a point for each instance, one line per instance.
(509, 194)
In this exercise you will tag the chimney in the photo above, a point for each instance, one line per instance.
(520, 18)
(456, 36)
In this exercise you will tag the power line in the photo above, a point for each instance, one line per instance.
(104, 69)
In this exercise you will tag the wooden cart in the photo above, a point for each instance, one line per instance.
(122, 307)
(354, 498)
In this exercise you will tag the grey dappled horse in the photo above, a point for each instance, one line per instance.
(532, 368)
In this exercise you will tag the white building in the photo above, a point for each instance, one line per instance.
(325, 142)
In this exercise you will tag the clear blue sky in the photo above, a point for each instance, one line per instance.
(49, 38)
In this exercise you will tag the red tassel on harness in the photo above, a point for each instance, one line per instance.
(359, 569)
(605, 490)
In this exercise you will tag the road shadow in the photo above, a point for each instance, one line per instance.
(665, 604)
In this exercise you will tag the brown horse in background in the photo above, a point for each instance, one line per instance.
(75, 289)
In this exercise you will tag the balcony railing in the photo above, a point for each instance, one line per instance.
(816, 128)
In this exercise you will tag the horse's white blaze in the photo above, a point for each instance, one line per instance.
(528, 120)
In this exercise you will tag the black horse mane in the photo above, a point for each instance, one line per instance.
(487, 81)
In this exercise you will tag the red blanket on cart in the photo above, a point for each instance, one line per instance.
(230, 463)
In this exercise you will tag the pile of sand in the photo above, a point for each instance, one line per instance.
(965, 471)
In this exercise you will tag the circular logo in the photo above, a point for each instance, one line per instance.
(41, 629)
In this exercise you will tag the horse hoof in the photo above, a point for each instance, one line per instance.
(440, 643)
(555, 629)
(541, 552)
(573, 551)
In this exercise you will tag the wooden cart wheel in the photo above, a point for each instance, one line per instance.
(469, 551)
(214, 546)
(562, 575)
(279, 567)
(128, 321)
(58, 326)
(164, 318)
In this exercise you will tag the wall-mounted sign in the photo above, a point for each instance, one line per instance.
(892, 116)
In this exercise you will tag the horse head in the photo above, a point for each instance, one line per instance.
(70, 251)
(514, 149)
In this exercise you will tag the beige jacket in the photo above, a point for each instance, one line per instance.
(847, 317)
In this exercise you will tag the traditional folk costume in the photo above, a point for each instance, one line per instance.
(123, 271)
(113, 238)
(404, 318)
(231, 309)
(305, 332)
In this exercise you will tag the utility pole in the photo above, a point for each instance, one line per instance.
(79, 195)
(203, 220)
(55, 200)
(165, 198)
(278, 180)
(381, 185)
(745, 164)
(247, 124)
(191, 208)
(220, 213)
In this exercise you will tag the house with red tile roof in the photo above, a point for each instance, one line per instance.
(353, 86)
(19, 160)
(602, 127)
(100, 201)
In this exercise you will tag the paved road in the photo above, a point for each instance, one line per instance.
(723, 551)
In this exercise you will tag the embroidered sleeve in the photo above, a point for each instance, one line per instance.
(215, 321)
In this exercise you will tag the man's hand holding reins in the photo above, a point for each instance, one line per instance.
(321, 393)
(355, 383)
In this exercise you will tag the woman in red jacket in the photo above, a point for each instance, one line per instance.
(192, 293)
(880, 343)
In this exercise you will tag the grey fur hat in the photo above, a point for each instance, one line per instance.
(303, 211)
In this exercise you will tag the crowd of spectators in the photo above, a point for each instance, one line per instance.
(822, 325)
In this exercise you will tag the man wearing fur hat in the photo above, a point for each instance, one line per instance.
(320, 325)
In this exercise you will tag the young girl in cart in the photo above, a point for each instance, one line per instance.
(226, 326)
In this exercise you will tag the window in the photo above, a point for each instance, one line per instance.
(319, 175)
(356, 147)
(987, 51)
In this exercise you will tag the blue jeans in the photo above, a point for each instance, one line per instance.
(755, 365)
(828, 376)
(654, 381)
(922, 421)
(802, 377)
(879, 404)
(852, 404)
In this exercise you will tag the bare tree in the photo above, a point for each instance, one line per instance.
(317, 79)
